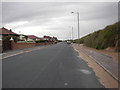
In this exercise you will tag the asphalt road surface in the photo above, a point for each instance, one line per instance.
(56, 66)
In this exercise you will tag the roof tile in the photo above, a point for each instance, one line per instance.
(6, 31)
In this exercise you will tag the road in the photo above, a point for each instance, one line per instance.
(56, 66)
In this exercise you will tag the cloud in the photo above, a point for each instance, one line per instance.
(54, 18)
(60, 0)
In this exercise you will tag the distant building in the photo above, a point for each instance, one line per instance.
(41, 38)
(47, 38)
(32, 38)
(53, 39)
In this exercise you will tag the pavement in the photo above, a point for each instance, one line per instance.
(105, 61)
(56, 66)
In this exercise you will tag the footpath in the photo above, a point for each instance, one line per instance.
(107, 62)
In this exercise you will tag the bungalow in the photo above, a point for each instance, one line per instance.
(47, 38)
(4, 33)
(53, 39)
(32, 38)
(23, 37)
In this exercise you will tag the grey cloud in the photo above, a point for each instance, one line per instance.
(46, 14)
(27, 11)
(0, 14)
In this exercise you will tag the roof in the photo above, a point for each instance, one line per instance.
(32, 37)
(6, 31)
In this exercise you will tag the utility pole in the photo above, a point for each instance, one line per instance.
(78, 24)
(72, 33)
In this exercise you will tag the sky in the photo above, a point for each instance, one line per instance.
(56, 19)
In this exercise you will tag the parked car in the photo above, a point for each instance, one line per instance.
(68, 42)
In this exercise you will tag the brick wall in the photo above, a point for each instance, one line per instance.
(16, 46)
(0, 46)
(0, 42)
(46, 43)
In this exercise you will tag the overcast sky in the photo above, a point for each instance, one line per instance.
(56, 19)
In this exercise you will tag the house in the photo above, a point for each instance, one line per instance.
(47, 38)
(6, 34)
(55, 39)
(23, 37)
(32, 38)
(52, 39)
(41, 38)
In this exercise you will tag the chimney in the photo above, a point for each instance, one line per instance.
(10, 30)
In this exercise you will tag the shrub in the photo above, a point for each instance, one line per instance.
(103, 38)
(39, 41)
(6, 38)
(15, 39)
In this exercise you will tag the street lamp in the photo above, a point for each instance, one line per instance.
(72, 33)
(78, 22)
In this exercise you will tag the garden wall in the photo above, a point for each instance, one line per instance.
(0, 42)
(16, 46)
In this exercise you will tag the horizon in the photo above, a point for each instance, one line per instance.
(64, 39)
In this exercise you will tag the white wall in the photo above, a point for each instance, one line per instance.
(30, 39)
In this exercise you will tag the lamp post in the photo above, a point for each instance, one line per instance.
(72, 33)
(78, 23)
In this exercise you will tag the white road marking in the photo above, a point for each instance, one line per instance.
(85, 71)
(65, 84)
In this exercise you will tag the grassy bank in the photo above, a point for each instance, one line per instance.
(101, 39)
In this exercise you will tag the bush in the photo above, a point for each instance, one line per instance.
(30, 41)
(15, 39)
(102, 39)
(39, 41)
(6, 38)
